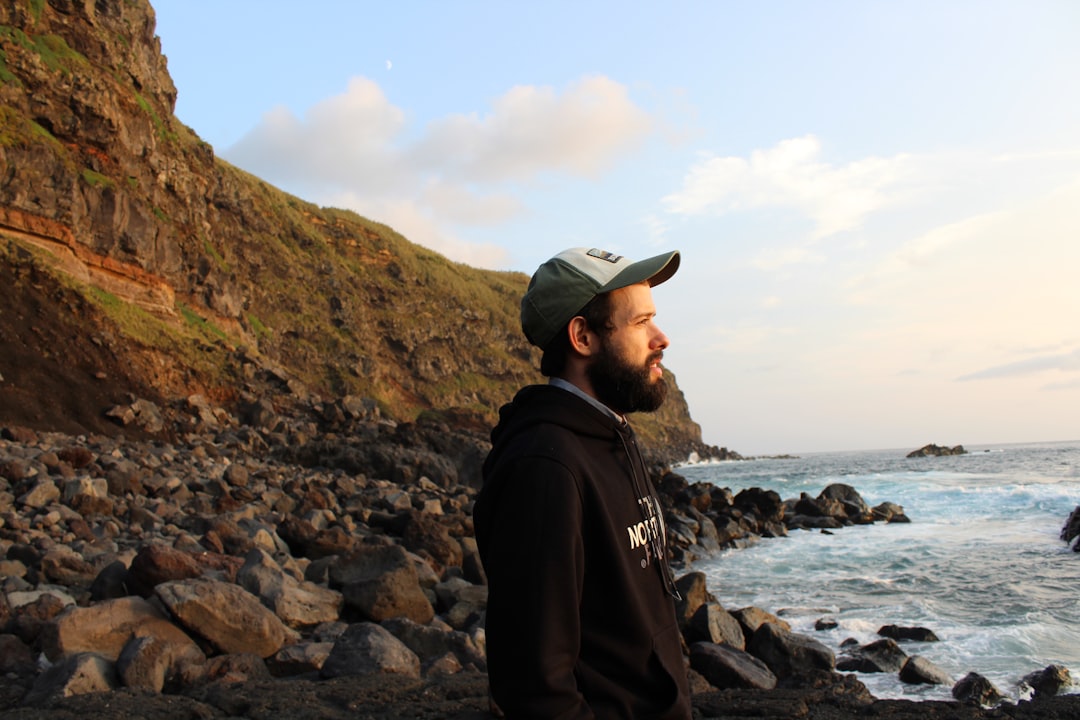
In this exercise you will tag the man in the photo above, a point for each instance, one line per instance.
(580, 617)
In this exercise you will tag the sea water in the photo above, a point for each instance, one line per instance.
(981, 562)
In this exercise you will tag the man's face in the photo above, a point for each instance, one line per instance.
(625, 373)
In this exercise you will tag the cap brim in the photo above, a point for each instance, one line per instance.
(654, 270)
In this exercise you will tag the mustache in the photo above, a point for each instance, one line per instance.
(655, 357)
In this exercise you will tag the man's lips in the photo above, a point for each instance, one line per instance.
(654, 364)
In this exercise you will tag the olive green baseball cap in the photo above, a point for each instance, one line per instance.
(565, 284)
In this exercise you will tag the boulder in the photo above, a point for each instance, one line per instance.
(299, 659)
(726, 667)
(918, 634)
(381, 582)
(15, 656)
(890, 512)
(854, 508)
(1071, 530)
(105, 628)
(43, 492)
(751, 618)
(157, 563)
(918, 670)
(933, 450)
(787, 654)
(974, 689)
(711, 623)
(299, 604)
(229, 617)
(75, 675)
(463, 602)
(143, 663)
(1048, 681)
(370, 649)
(882, 656)
(432, 643)
(693, 587)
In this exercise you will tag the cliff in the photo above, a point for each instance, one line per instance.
(139, 264)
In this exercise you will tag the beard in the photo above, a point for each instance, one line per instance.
(626, 388)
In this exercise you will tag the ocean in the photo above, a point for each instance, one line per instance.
(981, 563)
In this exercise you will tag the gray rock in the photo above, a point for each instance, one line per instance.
(787, 653)
(226, 615)
(15, 655)
(369, 649)
(726, 667)
(974, 689)
(381, 582)
(42, 493)
(897, 632)
(1048, 681)
(694, 591)
(76, 675)
(751, 618)
(299, 604)
(143, 663)
(299, 659)
(430, 643)
(918, 670)
(711, 623)
(105, 628)
(882, 656)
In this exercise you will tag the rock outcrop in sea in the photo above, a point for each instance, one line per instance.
(933, 450)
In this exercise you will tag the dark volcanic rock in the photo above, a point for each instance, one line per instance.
(933, 450)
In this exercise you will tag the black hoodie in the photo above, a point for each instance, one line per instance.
(580, 617)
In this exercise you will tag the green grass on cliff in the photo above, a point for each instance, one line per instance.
(53, 50)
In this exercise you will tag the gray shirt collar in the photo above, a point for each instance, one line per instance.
(572, 388)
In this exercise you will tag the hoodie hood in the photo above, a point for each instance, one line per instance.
(545, 404)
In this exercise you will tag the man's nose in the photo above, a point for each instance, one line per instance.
(660, 340)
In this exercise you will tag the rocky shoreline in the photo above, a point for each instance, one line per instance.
(261, 567)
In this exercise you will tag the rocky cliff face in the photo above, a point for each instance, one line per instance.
(141, 264)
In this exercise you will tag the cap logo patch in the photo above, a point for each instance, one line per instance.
(604, 255)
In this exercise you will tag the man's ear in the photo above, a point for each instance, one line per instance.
(582, 340)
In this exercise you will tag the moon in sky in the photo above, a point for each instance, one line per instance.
(389, 65)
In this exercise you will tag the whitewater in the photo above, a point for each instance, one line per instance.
(981, 563)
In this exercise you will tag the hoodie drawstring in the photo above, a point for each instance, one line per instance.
(657, 542)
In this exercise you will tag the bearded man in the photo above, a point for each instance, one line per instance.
(580, 616)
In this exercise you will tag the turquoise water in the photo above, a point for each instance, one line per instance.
(981, 564)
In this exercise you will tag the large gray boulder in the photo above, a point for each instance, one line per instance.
(105, 628)
(1048, 681)
(974, 689)
(917, 670)
(881, 656)
(370, 649)
(228, 616)
(299, 604)
(381, 582)
(787, 653)
(711, 623)
(75, 675)
(726, 667)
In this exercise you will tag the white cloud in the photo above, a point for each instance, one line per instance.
(346, 141)
(353, 150)
(791, 174)
(534, 129)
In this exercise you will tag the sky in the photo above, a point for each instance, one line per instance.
(877, 204)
